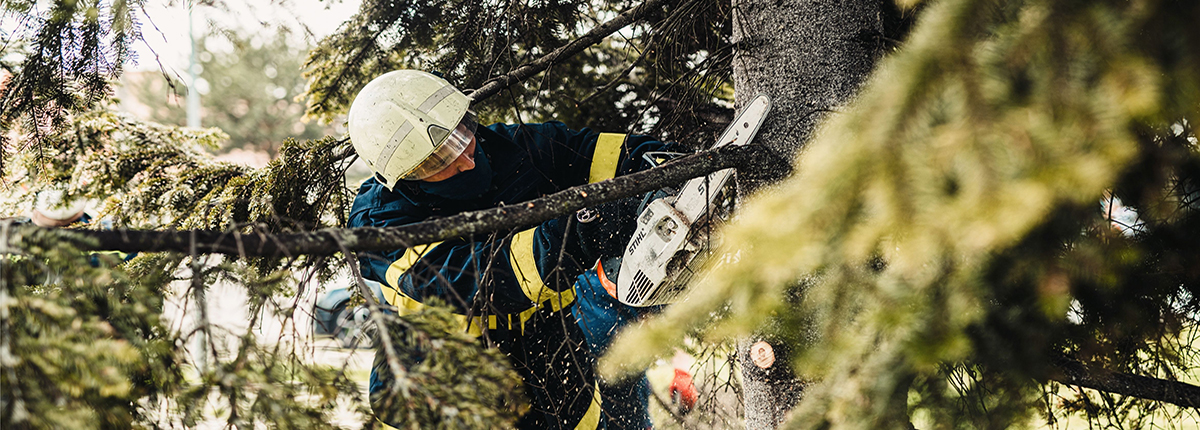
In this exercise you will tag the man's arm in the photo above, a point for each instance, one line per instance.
(568, 155)
(513, 271)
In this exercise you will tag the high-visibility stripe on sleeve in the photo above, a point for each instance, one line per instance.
(606, 156)
(406, 305)
(524, 268)
(520, 254)
(405, 262)
(591, 419)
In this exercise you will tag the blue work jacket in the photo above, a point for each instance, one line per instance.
(511, 286)
(528, 161)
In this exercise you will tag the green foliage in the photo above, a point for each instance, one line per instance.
(668, 76)
(155, 176)
(87, 347)
(76, 48)
(82, 346)
(945, 227)
(449, 380)
(147, 175)
(949, 220)
(100, 154)
(251, 91)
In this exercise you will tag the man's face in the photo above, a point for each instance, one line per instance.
(464, 162)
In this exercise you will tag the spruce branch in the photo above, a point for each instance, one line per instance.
(525, 71)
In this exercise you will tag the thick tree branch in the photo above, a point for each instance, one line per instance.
(1125, 384)
(523, 72)
(328, 241)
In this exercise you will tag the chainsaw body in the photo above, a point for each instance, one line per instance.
(676, 234)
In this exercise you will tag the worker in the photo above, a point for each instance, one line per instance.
(430, 159)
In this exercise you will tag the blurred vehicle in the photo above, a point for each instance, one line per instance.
(335, 316)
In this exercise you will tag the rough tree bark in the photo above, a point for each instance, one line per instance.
(809, 56)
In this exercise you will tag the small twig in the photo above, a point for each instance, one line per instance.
(399, 374)
(198, 294)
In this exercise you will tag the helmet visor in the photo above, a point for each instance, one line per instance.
(448, 151)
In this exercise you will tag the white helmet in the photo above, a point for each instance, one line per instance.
(409, 124)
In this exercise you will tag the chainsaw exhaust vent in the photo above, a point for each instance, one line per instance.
(641, 286)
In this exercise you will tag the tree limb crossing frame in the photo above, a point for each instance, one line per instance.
(1126, 384)
(254, 243)
(331, 241)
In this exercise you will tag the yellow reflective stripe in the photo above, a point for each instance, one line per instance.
(591, 419)
(406, 305)
(405, 262)
(559, 301)
(524, 266)
(520, 256)
(606, 156)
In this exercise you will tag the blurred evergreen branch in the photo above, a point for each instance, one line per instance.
(950, 217)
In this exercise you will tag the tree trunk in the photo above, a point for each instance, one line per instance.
(810, 57)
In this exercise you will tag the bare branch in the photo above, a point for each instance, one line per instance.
(399, 373)
(328, 241)
(1126, 384)
(523, 72)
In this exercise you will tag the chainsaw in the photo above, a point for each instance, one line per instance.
(675, 234)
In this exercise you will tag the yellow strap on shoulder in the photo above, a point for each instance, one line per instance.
(606, 157)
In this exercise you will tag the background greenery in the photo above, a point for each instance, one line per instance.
(940, 251)
(252, 82)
